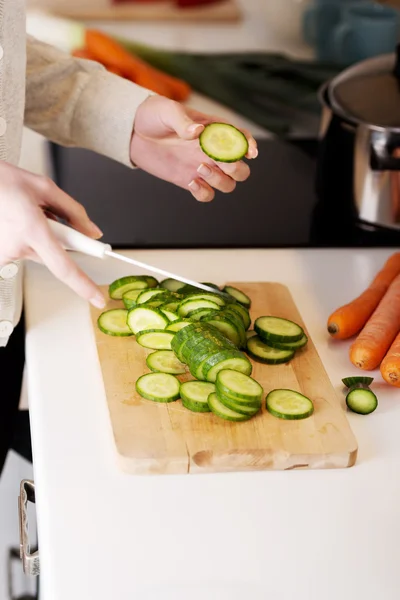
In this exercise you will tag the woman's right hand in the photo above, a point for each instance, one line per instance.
(24, 230)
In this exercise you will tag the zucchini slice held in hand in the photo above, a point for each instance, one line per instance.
(223, 142)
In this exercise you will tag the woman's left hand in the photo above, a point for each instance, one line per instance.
(165, 144)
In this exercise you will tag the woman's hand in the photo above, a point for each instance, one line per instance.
(165, 144)
(24, 230)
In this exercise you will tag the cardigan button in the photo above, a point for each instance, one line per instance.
(8, 271)
(6, 329)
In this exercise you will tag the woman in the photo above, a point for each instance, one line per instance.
(76, 103)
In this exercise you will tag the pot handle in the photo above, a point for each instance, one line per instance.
(384, 151)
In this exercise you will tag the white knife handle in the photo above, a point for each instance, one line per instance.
(74, 240)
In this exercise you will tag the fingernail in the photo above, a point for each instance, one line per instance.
(255, 153)
(194, 127)
(96, 230)
(98, 301)
(204, 171)
(194, 186)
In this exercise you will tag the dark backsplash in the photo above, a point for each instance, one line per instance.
(277, 207)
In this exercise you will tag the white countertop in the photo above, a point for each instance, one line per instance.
(306, 535)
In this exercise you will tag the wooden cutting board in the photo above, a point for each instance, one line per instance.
(152, 438)
(164, 10)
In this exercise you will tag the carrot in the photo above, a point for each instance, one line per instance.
(375, 339)
(112, 54)
(83, 53)
(390, 366)
(348, 320)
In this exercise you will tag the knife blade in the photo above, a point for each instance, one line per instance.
(71, 239)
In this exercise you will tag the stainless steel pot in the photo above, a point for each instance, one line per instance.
(361, 112)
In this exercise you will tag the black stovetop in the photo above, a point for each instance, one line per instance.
(277, 207)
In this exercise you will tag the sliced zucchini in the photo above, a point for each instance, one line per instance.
(189, 305)
(278, 329)
(171, 316)
(261, 352)
(361, 400)
(216, 298)
(155, 339)
(223, 411)
(242, 408)
(132, 282)
(291, 345)
(159, 387)
(141, 318)
(148, 295)
(199, 313)
(288, 404)
(238, 295)
(223, 142)
(228, 328)
(171, 306)
(238, 386)
(130, 297)
(165, 361)
(225, 359)
(177, 325)
(194, 395)
(151, 281)
(173, 285)
(113, 322)
(350, 381)
(242, 312)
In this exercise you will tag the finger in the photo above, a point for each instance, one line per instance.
(59, 203)
(62, 266)
(216, 178)
(177, 119)
(239, 171)
(201, 190)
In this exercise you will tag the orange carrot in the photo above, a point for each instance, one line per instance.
(111, 53)
(375, 339)
(348, 320)
(83, 53)
(390, 366)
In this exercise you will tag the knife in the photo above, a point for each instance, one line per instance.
(71, 239)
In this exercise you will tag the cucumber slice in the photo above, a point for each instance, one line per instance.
(148, 295)
(264, 353)
(289, 346)
(242, 312)
(171, 306)
(278, 329)
(159, 387)
(177, 325)
(238, 386)
(199, 313)
(130, 297)
(228, 359)
(151, 281)
(288, 404)
(141, 318)
(244, 409)
(226, 327)
(237, 320)
(189, 304)
(361, 400)
(223, 142)
(171, 316)
(194, 395)
(216, 298)
(173, 285)
(155, 339)
(223, 411)
(120, 286)
(165, 361)
(238, 295)
(113, 322)
(350, 381)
